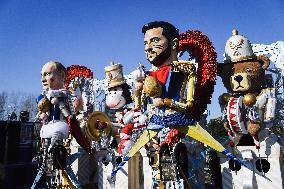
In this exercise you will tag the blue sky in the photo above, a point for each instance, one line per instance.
(93, 33)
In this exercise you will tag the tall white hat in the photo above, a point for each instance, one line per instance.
(238, 48)
(114, 75)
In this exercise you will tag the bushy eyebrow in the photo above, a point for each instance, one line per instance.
(153, 39)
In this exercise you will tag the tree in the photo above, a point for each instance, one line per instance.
(216, 129)
(3, 100)
(278, 123)
(28, 103)
(17, 102)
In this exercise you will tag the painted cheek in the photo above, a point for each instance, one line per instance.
(159, 51)
(162, 46)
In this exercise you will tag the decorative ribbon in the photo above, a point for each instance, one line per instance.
(146, 136)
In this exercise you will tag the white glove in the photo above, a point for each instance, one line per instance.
(138, 74)
(128, 116)
(124, 119)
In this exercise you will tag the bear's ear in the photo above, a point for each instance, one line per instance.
(264, 60)
(220, 69)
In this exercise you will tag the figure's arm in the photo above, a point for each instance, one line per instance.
(270, 106)
(43, 107)
(181, 106)
(59, 97)
(139, 76)
(177, 105)
(184, 105)
(57, 93)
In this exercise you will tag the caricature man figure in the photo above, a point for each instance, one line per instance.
(51, 102)
(172, 103)
(172, 88)
(161, 43)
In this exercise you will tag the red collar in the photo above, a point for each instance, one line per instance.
(161, 74)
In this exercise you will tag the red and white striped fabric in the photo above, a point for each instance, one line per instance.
(125, 139)
(129, 120)
(237, 115)
(256, 141)
(139, 120)
(134, 116)
(238, 121)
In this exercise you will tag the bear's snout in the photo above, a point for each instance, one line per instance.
(240, 82)
(238, 78)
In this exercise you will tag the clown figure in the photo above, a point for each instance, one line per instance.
(125, 121)
(117, 99)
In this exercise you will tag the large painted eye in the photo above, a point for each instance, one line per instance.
(155, 39)
(119, 92)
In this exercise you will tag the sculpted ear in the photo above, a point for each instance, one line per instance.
(174, 44)
(264, 60)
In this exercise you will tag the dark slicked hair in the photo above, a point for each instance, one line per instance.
(169, 30)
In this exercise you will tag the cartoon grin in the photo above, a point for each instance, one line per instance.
(113, 106)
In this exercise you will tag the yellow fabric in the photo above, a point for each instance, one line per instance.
(146, 136)
(190, 88)
(201, 135)
(161, 185)
(195, 132)
(66, 181)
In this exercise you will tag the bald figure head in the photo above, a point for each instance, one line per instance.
(53, 76)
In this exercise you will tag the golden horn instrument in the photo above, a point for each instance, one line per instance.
(92, 131)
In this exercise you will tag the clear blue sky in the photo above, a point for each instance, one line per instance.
(93, 33)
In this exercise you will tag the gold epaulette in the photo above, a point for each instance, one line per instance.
(183, 66)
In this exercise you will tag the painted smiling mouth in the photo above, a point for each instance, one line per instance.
(113, 106)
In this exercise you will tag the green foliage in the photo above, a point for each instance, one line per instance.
(216, 129)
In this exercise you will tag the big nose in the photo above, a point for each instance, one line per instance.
(238, 78)
(148, 48)
(43, 79)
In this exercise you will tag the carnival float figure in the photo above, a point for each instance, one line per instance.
(248, 112)
(128, 117)
(175, 93)
(52, 103)
(81, 163)
(53, 111)
(64, 107)
(118, 132)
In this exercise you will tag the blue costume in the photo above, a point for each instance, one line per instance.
(172, 82)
